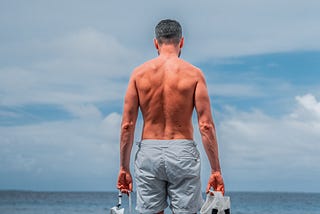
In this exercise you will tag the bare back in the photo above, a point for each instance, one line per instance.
(166, 88)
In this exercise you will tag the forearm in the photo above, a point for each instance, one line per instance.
(126, 141)
(210, 144)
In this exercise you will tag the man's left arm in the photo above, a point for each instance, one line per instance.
(129, 118)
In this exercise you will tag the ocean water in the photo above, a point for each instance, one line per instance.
(28, 202)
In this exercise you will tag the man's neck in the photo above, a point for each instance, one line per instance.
(169, 50)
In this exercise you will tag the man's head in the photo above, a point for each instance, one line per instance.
(168, 32)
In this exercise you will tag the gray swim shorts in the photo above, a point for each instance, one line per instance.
(168, 168)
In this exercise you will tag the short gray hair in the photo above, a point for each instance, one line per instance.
(168, 32)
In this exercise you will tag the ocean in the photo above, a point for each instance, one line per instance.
(29, 202)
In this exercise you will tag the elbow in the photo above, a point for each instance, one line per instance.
(127, 126)
(206, 127)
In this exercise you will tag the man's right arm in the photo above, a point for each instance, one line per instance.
(208, 135)
(129, 117)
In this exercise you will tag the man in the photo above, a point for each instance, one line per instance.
(167, 163)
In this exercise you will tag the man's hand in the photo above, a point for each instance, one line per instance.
(215, 181)
(124, 181)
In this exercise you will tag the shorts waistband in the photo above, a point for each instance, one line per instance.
(166, 143)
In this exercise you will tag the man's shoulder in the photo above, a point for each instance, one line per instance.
(190, 66)
(150, 64)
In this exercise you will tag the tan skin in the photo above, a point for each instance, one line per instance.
(167, 89)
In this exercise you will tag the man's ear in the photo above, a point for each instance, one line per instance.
(181, 42)
(156, 44)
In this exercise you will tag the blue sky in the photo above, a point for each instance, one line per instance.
(64, 67)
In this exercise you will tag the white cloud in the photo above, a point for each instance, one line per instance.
(86, 67)
(89, 50)
(309, 104)
(111, 126)
(85, 148)
(255, 146)
(88, 111)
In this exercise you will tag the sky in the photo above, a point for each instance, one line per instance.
(64, 68)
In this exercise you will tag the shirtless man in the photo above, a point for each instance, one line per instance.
(167, 163)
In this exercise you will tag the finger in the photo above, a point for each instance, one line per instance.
(120, 186)
(125, 191)
(130, 187)
(220, 188)
(223, 191)
(120, 180)
(221, 184)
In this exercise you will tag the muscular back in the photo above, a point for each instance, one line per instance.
(166, 89)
